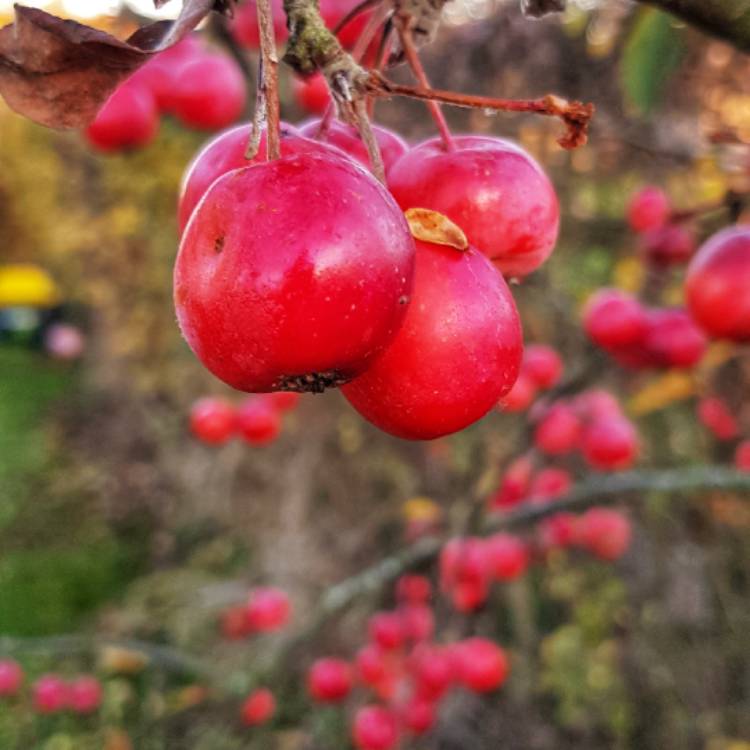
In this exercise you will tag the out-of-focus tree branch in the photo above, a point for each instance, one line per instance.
(726, 19)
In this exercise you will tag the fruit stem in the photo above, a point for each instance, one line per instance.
(367, 135)
(412, 57)
(576, 115)
(269, 78)
(259, 116)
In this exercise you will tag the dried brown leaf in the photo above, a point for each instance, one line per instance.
(59, 72)
(431, 226)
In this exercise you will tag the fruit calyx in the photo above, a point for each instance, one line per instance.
(432, 226)
(312, 382)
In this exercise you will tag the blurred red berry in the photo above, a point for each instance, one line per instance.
(432, 669)
(520, 396)
(329, 680)
(714, 414)
(258, 708)
(671, 244)
(258, 421)
(483, 665)
(213, 420)
(413, 589)
(283, 400)
(604, 532)
(418, 622)
(543, 365)
(268, 609)
(742, 456)
(234, 624)
(386, 629)
(418, 715)
(84, 695)
(673, 339)
(507, 557)
(371, 665)
(11, 677)
(375, 728)
(558, 431)
(50, 694)
(649, 208)
(550, 483)
(614, 319)
(610, 443)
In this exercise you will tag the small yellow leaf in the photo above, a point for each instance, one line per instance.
(431, 226)
(421, 509)
(661, 392)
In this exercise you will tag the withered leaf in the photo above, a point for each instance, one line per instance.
(59, 72)
(431, 226)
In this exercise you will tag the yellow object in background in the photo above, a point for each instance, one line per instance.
(26, 285)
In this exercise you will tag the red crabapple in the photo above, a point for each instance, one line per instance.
(670, 245)
(234, 624)
(482, 665)
(258, 708)
(293, 274)
(507, 557)
(283, 400)
(717, 285)
(542, 364)
(514, 486)
(418, 622)
(613, 319)
(413, 589)
(610, 443)
(714, 414)
(520, 396)
(128, 119)
(742, 456)
(371, 665)
(457, 353)
(268, 609)
(334, 11)
(386, 629)
(213, 420)
(596, 403)
(604, 532)
(649, 208)
(345, 137)
(490, 188)
(673, 339)
(418, 715)
(558, 431)
(50, 694)
(312, 94)
(329, 680)
(375, 728)
(464, 573)
(432, 669)
(258, 422)
(11, 677)
(84, 695)
(549, 484)
(209, 92)
(558, 531)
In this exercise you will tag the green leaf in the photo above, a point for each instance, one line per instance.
(652, 52)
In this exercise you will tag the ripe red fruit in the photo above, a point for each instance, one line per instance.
(283, 400)
(258, 708)
(84, 695)
(418, 715)
(346, 138)
(128, 119)
(433, 671)
(386, 629)
(213, 420)
(550, 483)
(714, 414)
(558, 531)
(464, 573)
(329, 680)
(334, 11)
(312, 94)
(649, 208)
(371, 665)
(717, 285)
(313, 293)
(258, 422)
(482, 665)
(542, 364)
(507, 557)
(673, 339)
(226, 152)
(604, 532)
(490, 188)
(558, 431)
(418, 622)
(11, 677)
(375, 728)
(613, 319)
(413, 589)
(596, 403)
(50, 694)
(742, 456)
(244, 25)
(209, 92)
(520, 396)
(610, 443)
(514, 486)
(670, 245)
(234, 624)
(268, 609)
(462, 312)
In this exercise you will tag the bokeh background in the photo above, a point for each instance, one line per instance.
(117, 526)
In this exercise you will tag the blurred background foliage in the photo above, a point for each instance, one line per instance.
(115, 523)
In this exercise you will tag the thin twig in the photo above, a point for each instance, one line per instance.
(259, 116)
(367, 134)
(412, 57)
(576, 115)
(270, 81)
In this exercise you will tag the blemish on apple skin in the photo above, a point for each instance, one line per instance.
(219, 244)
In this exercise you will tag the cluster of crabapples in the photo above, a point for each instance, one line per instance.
(304, 272)
(50, 693)
(395, 682)
(257, 420)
